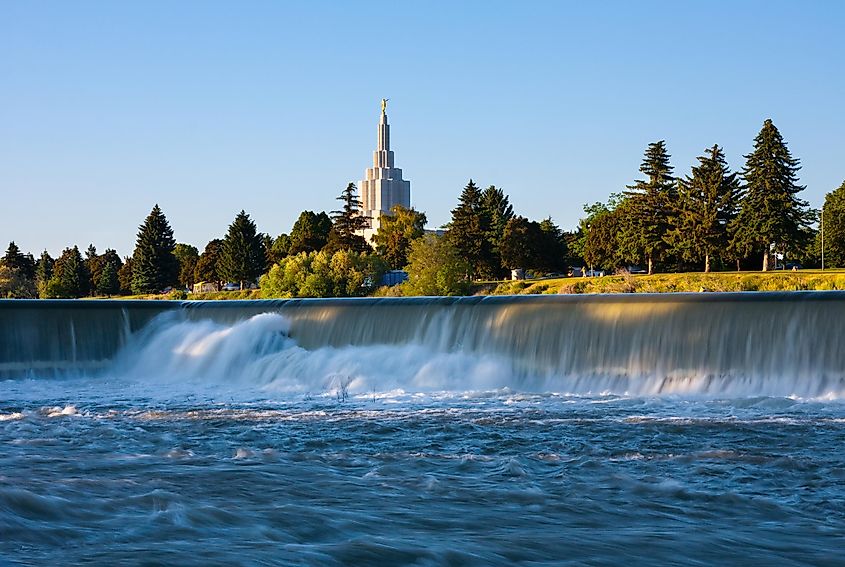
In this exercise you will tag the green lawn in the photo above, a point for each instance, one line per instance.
(685, 282)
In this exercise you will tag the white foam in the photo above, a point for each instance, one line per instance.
(258, 354)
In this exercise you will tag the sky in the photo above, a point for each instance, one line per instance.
(207, 108)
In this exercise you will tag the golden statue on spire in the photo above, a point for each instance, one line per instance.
(384, 105)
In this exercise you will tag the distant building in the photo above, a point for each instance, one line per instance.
(382, 186)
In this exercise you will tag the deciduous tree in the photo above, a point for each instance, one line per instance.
(397, 231)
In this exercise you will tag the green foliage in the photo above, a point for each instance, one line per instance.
(108, 283)
(520, 244)
(496, 207)
(14, 284)
(70, 276)
(320, 274)
(435, 267)
(397, 231)
(771, 211)
(602, 245)
(207, 265)
(310, 232)
(347, 223)
(469, 230)
(187, 256)
(24, 264)
(646, 222)
(242, 257)
(280, 248)
(124, 276)
(43, 273)
(834, 228)
(154, 265)
(707, 202)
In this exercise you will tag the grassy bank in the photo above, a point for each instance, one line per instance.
(687, 282)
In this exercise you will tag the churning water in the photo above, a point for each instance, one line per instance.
(538, 432)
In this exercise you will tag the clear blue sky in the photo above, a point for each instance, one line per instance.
(206, 108)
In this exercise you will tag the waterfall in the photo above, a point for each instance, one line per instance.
(730, 343)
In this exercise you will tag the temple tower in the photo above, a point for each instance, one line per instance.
(382, 186)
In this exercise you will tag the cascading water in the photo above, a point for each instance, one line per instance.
(717, 344)
(673, 430)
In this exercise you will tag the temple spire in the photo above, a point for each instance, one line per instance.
(382, 186)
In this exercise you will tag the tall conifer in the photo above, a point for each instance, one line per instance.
(347, 223)
(771, 213)
(648, 203)
(154, 266)
(242, 256)
(469, 228)
(707, 202)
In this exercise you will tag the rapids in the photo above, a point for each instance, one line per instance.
(692, 429)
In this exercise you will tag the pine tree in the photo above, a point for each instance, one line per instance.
(108, 283)
(154, 265)
(649, 201)
(70, 275)
(707, 202)
(43, 273)
(771, 213)
(347, 223)
(468, 230)
(242, 256)
(498, 211)
(23, 264)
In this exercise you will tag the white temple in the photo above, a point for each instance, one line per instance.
(382, 186)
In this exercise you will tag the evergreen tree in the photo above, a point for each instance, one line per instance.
(95, 264)
(707, 202)
(397, 231)
(15, 260)
(70, 275)
(43, 273)
(498, 211)
(154, 265)
(771, 213)
(833, 227)
(242, 257)
(347, 223)
(310, 232)
(108, 283)
(649, 201)
(469, 229)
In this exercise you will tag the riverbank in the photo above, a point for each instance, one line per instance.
(672, 283)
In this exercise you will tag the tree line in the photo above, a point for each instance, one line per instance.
(711, 218)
